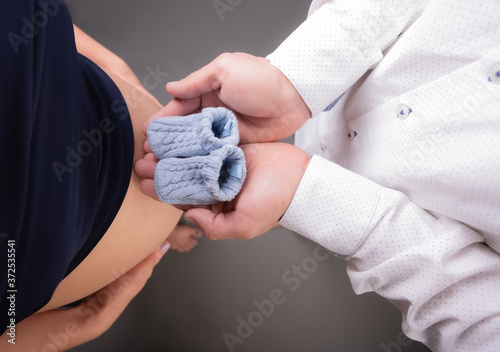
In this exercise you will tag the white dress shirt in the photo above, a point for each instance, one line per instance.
(405, 178)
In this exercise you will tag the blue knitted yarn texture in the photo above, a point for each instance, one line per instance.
(193, 135)
(200, 162)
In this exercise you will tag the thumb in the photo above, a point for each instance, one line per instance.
(199, 82)
(176, 107)
(218, 226)
(144, 269)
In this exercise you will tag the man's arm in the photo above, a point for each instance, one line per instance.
(437, 271)
(320, 60)
(339, 42)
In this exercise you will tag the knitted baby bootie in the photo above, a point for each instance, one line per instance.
(208, 179)
(193, 135)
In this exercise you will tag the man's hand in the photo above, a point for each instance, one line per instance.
(274, 171)
(267, 105)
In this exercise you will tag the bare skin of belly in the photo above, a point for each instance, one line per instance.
(140, 227)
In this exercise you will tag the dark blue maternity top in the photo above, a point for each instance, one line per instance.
(66, 153)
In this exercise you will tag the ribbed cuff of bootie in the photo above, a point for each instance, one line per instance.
(209, 179)
(193, 135)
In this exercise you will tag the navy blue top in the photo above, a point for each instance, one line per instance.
(66, 153)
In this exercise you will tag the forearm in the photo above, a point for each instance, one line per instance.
(435, 270)
(432, 268)
(62, 329)
(339, 43)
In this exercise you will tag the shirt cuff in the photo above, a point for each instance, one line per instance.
(333, 207)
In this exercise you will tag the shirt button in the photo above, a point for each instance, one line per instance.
(323, 147)
(495, 74)
(351, 134)
(403, 111)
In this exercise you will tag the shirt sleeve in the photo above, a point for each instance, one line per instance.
(435, 270)
(338, 43)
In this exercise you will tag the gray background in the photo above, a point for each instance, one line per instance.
(193, 299)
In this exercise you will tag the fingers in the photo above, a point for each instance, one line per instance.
(148, 188)
(147, 147)
(180, 107)
(186, 246)
(146, 167)
(197, 234)
(176, 107)
(150, 156)
(188, 91)
(199, 82)
(108, 303)
(191, 243)
(144, 269)
(218, 226)
(184, 238)
(136, 278)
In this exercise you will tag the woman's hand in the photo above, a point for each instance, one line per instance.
(267, 105)
(62, 329)
(274, 171)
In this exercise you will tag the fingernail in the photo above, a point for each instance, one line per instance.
(164, 247)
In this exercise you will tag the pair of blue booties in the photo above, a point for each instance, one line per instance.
(200, 162)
